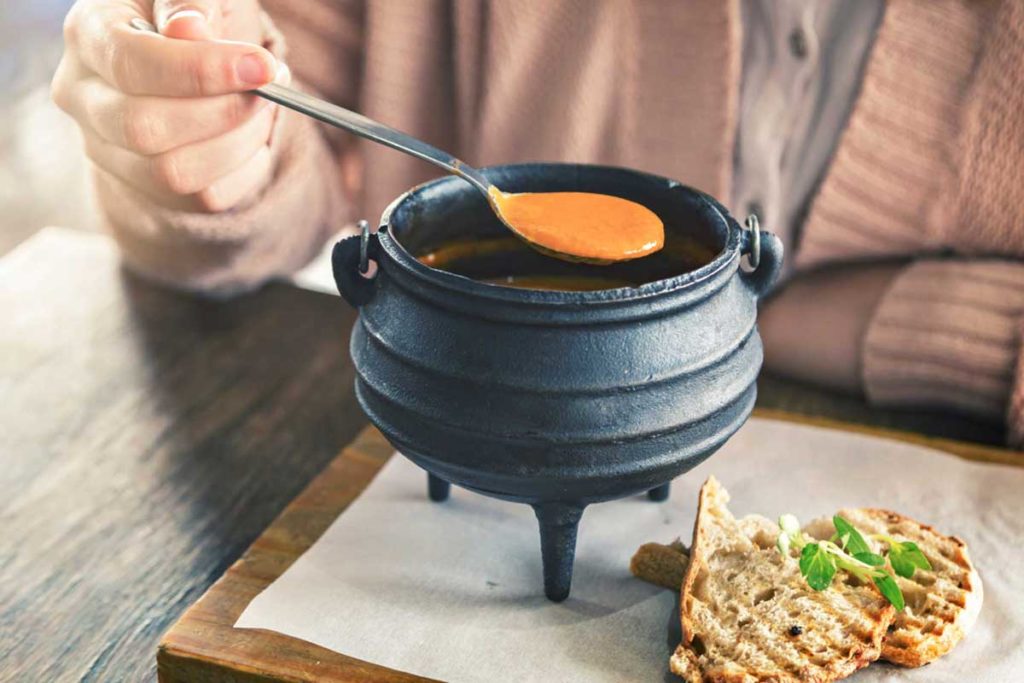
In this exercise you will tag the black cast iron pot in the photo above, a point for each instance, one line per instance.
(557, 399)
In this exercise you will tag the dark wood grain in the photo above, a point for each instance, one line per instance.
(203, 645)
(146, 439)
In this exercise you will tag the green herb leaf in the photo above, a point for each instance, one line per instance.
(870, 558)
(906, 557)
(817, 566)
(853, 542)
(891, 590)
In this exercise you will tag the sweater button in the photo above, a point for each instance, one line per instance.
(798, 43)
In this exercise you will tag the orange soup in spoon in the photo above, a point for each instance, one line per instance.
(596, 228)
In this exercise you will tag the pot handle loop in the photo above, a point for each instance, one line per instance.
(764, 254)
(350, 261)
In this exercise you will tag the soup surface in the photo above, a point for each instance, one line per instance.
(597, 227)
(507, 261)
(559, 283)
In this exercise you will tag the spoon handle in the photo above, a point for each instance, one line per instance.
(360, 125)
(373, 130)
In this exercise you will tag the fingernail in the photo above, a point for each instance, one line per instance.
(254, 70)
(283, 76)
(188, 23)
(187, 14)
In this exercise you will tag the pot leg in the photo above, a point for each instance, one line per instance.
(558, 525)
(660, 493)
(437, 488)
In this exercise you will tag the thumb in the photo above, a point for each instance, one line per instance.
(187, 19)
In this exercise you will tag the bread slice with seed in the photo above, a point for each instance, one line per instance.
(942, 604)
(665, 565)
(748, 614)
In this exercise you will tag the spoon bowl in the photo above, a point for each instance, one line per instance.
(583, 227)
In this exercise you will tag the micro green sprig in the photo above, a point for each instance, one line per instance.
(850, 551)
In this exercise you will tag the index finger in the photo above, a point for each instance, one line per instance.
(143, 63)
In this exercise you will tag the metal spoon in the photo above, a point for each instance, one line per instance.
(373, 130)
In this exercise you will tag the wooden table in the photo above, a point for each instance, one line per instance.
(148, 437)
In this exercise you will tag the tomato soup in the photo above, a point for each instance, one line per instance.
(509, 262)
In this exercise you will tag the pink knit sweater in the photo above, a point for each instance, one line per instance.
(927, 170)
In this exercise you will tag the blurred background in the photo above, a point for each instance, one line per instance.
(35, 168)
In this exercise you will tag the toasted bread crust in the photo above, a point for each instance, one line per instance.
(943, 604)
(749, 650)
(710, 493)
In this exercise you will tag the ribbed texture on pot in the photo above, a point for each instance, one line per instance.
(567, 387)
(569, 396)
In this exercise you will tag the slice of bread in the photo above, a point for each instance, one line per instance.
(665, 565)
(662, 565)
(749, 615)
(942, 604)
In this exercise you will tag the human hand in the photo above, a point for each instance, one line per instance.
(169, 114)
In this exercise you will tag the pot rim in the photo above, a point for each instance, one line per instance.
(460, 283)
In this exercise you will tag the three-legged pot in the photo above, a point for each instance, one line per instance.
(557, 399)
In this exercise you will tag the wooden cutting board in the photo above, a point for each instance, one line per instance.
(204, 647)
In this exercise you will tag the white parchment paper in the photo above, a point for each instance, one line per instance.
(453, 591)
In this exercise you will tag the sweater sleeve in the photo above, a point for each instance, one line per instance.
(303, 205)
(947, 334)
